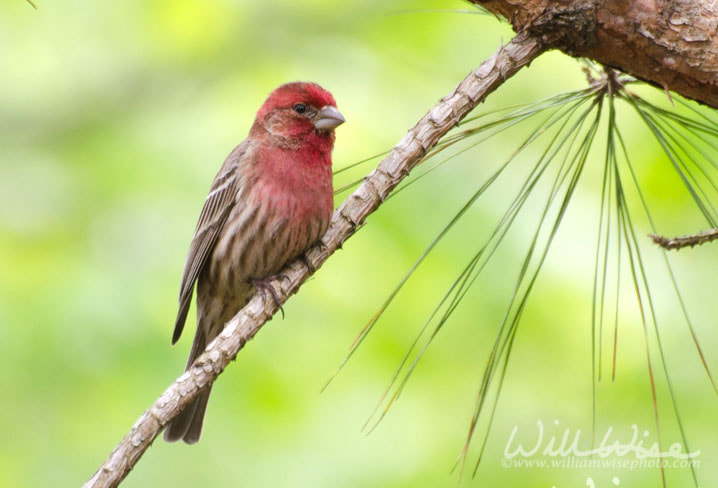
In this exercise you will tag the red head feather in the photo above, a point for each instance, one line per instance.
(297, 92)
(279, 122)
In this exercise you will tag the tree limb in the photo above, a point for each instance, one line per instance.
(347, 219)
(685, 241)
(672, 44)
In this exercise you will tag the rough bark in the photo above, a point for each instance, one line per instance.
(669, 43)
(346, 220)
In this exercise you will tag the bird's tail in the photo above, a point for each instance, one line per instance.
(188, 424)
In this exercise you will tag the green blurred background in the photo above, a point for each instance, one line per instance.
(114, 118)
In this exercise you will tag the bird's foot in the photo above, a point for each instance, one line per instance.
(263, 286)
(307, 263)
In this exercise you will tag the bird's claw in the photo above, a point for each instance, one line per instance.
(308, 263)
(264, 285)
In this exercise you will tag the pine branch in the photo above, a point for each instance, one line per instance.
(347, 219)
(685, 241)
(640, 38)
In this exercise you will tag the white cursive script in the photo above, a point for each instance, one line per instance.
(568, 444)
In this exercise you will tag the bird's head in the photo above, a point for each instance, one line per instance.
(296, 113)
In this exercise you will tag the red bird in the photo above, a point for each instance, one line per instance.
(271, 200)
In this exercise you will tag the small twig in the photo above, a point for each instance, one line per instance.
(350, 216)
(685, 241)
(32, 3)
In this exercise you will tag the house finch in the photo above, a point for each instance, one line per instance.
(270, 201)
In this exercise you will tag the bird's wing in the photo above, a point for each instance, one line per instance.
(216, 208)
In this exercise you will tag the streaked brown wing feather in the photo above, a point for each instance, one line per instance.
(214, 214)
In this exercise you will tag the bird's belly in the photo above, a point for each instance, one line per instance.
(257, 241)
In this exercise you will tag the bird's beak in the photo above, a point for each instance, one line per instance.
(328, 118)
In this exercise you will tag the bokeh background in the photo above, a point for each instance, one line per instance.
(114, 118)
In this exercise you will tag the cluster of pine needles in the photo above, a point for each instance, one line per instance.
(566, 128)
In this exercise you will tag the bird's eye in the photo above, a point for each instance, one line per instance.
(300, 108)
